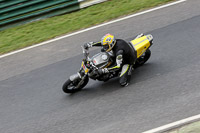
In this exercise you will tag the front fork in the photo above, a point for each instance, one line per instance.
(78, 77)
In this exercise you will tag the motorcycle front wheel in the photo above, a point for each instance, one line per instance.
(71, 87)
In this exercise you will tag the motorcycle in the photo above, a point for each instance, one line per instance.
(90, 66)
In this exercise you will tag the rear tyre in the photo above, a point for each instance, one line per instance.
(71, 87)
(143, 59)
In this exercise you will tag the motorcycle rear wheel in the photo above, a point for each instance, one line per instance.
(143, 59)
(70, 87)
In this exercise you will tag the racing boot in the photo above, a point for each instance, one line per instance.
(125, 75)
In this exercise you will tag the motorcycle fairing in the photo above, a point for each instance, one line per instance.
(141, 44)
(84, 67)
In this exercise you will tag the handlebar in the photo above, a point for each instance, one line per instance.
(86, 54)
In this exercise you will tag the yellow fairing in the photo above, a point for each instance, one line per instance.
(140, 45)
(84, 67)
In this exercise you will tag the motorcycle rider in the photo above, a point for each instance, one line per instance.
(123, 52)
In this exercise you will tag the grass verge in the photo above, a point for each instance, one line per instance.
(189, 128)
(35, 32)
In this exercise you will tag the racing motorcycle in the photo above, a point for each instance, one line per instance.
(90, 66)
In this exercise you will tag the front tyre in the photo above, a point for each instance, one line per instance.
(71, 87)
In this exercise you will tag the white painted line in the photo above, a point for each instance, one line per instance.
(90, 3)
(174, 125)
(94, 27)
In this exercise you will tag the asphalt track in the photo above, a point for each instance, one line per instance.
(164, 90)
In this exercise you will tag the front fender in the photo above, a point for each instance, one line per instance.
(75, 77)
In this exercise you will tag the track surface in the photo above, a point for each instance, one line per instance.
(164, 90)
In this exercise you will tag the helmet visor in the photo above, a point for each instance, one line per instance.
(105, 47)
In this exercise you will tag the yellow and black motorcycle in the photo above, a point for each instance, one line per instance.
(89, 66)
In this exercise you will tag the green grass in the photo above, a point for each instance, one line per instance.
(35, 32)
(188, 128)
